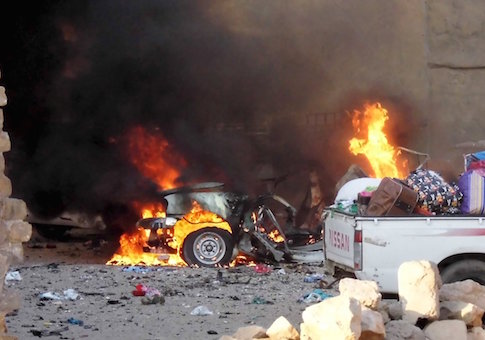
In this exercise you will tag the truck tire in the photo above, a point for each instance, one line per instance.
(208, 247)
(463, 270)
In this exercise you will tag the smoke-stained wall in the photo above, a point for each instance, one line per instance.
(231, 85)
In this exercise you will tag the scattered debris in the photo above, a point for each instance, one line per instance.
(313, 278)
(262, 268)
(71, 294)
(152, 300)
(50, 296)
(13, 276)
(42, 333)
(68, 294)
(201, 311)
(260, 301)
(138, 269)
(316, 295)
(74, 321)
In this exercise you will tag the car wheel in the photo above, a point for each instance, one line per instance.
(463, 270)
(208, 247)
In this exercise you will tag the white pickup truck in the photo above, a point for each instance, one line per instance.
(373, 248)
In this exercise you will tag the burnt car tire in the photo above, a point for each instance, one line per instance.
(208, 247)
(463, 270)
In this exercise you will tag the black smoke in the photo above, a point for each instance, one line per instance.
(221, 81)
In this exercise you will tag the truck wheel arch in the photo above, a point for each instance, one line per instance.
(463, 266)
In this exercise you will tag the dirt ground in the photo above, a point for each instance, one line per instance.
(107, 309)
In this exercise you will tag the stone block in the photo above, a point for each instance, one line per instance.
(12, 209)
(419, 283)
(282, 329)
(18, 231)
(9, 301)
(476, 333)
(459, 310)
(3, 269)
(446, 329)
(5, 144)
(394, 309)
(372, 325)
(466, 291)
(1, 119)
(249, 333)
(3, 232)
(385, 315)
(402, 330)
(338, 317)
(14, 251)
(5, 186)
(3, 324)
(367, 292)
(3, 96)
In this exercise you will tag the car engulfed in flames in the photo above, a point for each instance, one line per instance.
(202, 225)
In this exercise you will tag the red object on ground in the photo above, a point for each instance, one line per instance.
(138, 293)
(140, 290)
(262, 268)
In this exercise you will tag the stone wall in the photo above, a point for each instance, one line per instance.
(13, 229)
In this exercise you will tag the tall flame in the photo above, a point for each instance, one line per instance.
(155, 158)
(374, 145)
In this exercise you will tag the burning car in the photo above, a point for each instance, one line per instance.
(209, 227)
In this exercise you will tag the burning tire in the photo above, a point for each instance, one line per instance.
(208, 247)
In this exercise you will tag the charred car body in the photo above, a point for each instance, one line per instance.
(263, 227)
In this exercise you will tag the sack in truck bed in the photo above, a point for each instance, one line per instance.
(392, 198)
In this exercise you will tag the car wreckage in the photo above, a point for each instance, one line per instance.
(266, 227)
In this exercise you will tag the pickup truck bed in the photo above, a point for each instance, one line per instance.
(373, 248)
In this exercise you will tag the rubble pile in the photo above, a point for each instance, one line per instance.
(13, 229)
(426, 309)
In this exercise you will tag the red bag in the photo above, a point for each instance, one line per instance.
(477, 165)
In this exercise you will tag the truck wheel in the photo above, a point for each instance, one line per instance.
(208, 247)
(464, 269)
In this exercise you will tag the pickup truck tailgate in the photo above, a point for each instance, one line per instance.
(339, 238)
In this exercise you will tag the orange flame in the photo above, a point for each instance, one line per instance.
(155, 158)
(381, 155)
(243, 259)
(132, 252)
(276, 236)
(195, 220)
(133, 245)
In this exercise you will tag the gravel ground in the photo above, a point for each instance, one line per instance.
(107, 308)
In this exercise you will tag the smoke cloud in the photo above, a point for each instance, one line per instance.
(229, 84)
